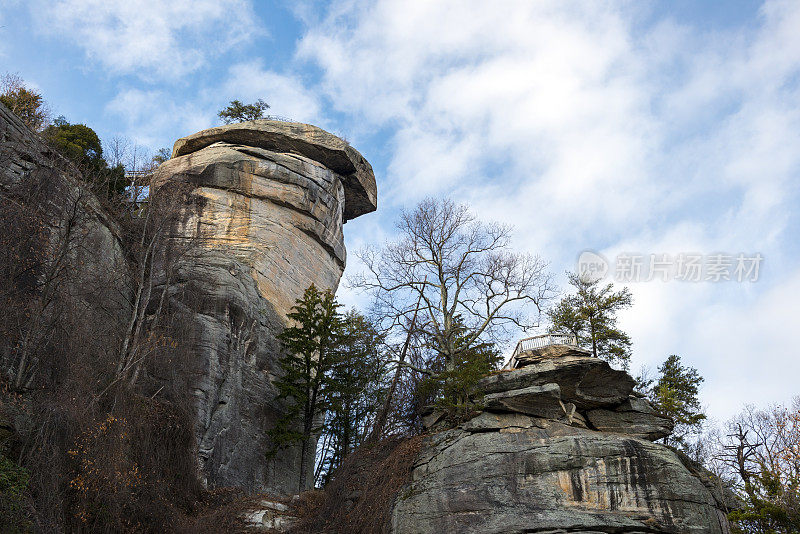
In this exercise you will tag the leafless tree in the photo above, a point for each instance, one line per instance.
(157, 255)
(447, 284)
(461, 270)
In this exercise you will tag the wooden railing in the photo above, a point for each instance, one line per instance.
(544, 340)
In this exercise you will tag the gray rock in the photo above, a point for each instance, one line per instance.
(552, 478)
(636, 404)
(642, 425)
(573, 416)
(585, 381)
(548, 352)
(540, 401)
(491, 422)
(94, 284)
(430, 419)
(270, 200)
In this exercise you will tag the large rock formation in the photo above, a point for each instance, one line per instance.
(270, 201)
(562, 446)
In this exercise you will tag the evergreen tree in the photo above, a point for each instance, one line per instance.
(358, 372)
(313, 347)
(675, 394)
(236, 111)
(81, 144)
(25, 103)
(453, 388)
(591, 316)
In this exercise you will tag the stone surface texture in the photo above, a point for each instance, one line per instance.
(272, 198)
(589, 467)
(297, 138)
(76, 222)
(588, 382)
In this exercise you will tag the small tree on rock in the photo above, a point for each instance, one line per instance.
(236, 111)
(591, 316)
(675, 394)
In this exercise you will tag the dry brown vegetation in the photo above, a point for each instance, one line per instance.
(95, 404)
(363, 490)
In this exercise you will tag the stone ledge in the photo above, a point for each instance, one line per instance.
(315, 143)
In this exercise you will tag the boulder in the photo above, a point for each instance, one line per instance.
(551, 477)
(585, 381)
(269, 203)
(547, 352)
(334, 153)
(539, 401)
(635, 404)
(642, 425)
(490, 422)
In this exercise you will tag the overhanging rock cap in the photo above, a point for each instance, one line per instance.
(360, 191)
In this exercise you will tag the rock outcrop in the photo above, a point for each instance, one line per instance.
(271, 199)
(562, 446)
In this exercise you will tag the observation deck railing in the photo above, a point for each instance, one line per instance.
(537, 342)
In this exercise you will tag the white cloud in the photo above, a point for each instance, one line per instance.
(149, 38)
(587, 128)
(154, 118)
(285, 93)
(157, 117)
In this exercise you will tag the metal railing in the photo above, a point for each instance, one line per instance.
(544, 340)
(278, 118)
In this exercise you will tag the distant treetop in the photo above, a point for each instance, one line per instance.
(238, 112)
(28, 104)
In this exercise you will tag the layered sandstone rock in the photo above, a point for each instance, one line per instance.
(563, 445)
(271, 199)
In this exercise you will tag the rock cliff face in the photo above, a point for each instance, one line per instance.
(563, 446)
(81, 236)
(271, 201)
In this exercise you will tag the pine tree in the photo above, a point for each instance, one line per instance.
(453, 388)
(313, 346)
(591, 316)
(236, 111)
(358, 372)
(675, 394)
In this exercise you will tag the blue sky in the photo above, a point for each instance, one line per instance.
(640, 127)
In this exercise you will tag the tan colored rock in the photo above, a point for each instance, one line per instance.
(269, 202)
(302, 139)
(278, 214)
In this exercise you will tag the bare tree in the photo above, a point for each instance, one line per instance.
(157, 255)
(455, 280)
(461, 270)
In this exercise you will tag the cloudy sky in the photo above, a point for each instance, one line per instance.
(633, 128)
